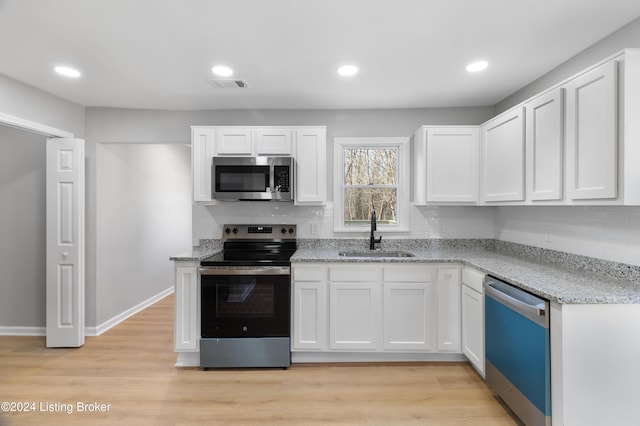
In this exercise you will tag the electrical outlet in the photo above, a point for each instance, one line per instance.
(548, 236)
(313, 229)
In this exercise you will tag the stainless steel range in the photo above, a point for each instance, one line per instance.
(246, 298)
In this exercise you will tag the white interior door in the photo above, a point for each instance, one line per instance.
(65, 242)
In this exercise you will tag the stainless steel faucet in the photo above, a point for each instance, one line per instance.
(372, 239)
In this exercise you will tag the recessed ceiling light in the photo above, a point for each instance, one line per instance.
(67, 71)
(348, 70)
(477, 66)
(222, 71)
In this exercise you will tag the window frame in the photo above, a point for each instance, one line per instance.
(402, 144)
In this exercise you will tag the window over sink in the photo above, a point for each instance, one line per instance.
(371, 173)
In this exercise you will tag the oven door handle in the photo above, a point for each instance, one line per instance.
(246, 270)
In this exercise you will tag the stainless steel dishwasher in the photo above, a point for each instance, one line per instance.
(518, 366)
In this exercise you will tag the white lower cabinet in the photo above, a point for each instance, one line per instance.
(186, 309)
(408, 316)
(310, 302)
(448, 296)
(375, 307)
(354, 315)
(473, 318)
(309, 307)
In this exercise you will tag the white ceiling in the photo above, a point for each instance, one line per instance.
(412, 53)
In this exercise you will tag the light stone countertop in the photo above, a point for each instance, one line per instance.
(558, 284)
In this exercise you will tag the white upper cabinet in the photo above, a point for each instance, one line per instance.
(306, 144)
(592, 134)
(446, 161)
(273, 141)
(545, 146)
(233, 141)
(202, 149)
(503, 149)
(311, 166)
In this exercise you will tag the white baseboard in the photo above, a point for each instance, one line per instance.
(90, 331)
(109, 324)
(23, 331)
(326, 357)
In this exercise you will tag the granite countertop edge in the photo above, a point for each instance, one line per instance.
(557, 284)
(195, 255)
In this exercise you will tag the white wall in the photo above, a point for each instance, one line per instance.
(143, 218)
(611, 233)
(425, 222)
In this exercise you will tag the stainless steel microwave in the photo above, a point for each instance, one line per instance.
(252, 178)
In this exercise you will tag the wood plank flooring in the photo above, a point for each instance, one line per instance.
(130, 369)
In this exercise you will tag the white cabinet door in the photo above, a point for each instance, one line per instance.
(448, 306)
(354, 315)
(187, 327)
(202, 151)
(545, 146)
(592, 144)
(234, 141)
(309, 315)
(311, 166)
(503, 148)
(420, 167)
(473, 327)
(273, 141)
(452, 164)
(408, 316)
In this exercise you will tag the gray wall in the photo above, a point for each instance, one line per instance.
(27, 102)
(611, 233)
(22, 200)
(143, 218)
(22, 229)
(146, 126)
(626, 37)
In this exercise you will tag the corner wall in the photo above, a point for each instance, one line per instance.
(610, 233)
(143, 218)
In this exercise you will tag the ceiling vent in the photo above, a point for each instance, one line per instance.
(229, 84)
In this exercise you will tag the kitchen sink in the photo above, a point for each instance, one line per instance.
(376, 254)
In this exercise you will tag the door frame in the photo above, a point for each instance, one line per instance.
(48, 132)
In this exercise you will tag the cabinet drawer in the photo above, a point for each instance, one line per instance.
(408, 273)
(355, 273)
(310, 273)
(473, 278)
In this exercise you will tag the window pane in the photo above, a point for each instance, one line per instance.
(358, 203)
(370, 166)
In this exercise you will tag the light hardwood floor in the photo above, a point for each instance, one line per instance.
(131, 368)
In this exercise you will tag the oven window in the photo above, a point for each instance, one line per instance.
(243, 297)
(242, 178)
(245, 305)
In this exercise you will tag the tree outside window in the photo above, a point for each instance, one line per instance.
(370, 183)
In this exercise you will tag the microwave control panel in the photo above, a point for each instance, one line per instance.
(281, 178)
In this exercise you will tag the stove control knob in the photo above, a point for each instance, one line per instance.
(244, 328)
(227, 230)
(284, 231)
(235, 230)
(291, 230)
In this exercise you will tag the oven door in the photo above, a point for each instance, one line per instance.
(245, 301)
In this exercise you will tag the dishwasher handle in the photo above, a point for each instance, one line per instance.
(530, 306)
